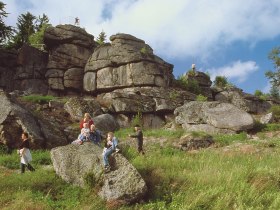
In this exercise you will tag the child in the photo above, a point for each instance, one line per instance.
(139, 136)
(109, 148)
(85, 133)
(25, 155)
(95, 135)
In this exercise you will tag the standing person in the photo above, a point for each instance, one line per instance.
(109, 148)
(24, 152)
(139, 136)
(87, 119)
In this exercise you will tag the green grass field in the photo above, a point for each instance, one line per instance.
(237, 173)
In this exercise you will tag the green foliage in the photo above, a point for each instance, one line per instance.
(275, 109)
(137, 119)
(101, 39)
(37, 39)
(144, 50)
(220, 81)
(201, 97)
(188, 84)
(38, 98)
(258, 93)
(93, 180)
(5, 31)
(173, 95)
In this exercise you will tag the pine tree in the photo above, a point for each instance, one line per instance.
(5, 31)
(101, 38)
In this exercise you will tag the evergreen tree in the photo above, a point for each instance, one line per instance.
(5, 31)
(101, 38)
(41, 22)
(274, 77)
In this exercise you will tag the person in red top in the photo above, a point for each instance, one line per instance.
(87, 119)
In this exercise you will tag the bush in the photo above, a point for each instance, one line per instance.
(258, 93)
(188, 84)
(220, 81)
(201, 98)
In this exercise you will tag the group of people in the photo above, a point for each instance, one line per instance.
(88, 133)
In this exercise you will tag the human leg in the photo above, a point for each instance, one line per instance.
(30, 168)
(22, 168)
(106, 155)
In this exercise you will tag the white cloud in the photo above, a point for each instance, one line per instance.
(173, 28)
(237, 70)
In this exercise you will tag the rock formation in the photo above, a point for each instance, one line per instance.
(69, 49)
(213, 117)
(82, 165)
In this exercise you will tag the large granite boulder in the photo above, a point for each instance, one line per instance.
(213, 117)
(69, 49)
(247, 102)
(106, 123)
(8, 64)
(126, 62)
(77, 107)
(14, 120)
(31, 70)
(77, 164)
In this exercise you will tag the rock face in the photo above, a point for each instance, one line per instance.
(213, 117)
(244, 101)
(268, 118)
(75, 163)
(126, 62)
(14, 120)
(8, 63)
(31, 70)
(77, 107)
(69, 49)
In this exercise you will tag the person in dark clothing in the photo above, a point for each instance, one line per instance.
(139, 137)
(24, 152)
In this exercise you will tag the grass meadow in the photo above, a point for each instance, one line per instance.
(236, 173)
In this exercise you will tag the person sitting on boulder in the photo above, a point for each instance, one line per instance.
(87, 119)
(83, 136)
(109, 148)
(95, 135)
(85, 133)
(139, 136)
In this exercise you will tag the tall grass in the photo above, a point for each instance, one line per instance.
(205, 179)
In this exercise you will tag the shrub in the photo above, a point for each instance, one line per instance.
(188, 84)
(220, 81)
(258, 93)
(137, 119)
(201, 98)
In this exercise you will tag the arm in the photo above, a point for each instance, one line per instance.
(136, 135)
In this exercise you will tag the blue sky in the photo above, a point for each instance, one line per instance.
(222, 37)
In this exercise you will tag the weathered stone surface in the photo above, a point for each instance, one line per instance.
(106, 123)
(69, 49)
(77, 107)
(68, 34)
(73, 78)
(66, 56)
(193, 142)
(268, 118)
(126, 62)
(152, 121)
(202, 79)
(216, 114)
(89, 81)
(8, 63)
(244, 101)
(145, 99)
(74, 163)
(13, 120)
(31, 69)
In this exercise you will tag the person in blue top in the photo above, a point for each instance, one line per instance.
(95, 135)
(110, 147)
